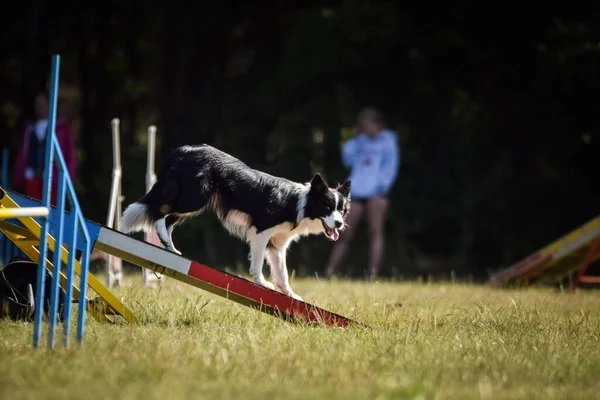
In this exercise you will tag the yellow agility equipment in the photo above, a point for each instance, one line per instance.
(28, 240)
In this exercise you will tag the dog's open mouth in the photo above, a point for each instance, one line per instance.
(331, 233)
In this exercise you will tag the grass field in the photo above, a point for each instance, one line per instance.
(438, 341)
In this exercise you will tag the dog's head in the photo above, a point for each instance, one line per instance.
(329, 205)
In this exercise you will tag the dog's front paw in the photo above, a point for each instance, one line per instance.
(290, 293)
(265, 283)
(295, 296)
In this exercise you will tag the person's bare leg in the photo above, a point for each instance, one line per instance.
(341, 246)
(376, 210)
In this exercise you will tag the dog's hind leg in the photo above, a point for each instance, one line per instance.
(258, 246)
(164, 233)
(279, 272)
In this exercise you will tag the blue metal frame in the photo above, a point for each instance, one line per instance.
(77, 227)
(7, 248)
(5, 167)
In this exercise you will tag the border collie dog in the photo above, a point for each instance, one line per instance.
(265, 211)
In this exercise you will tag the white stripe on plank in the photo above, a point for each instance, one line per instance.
(144, 250)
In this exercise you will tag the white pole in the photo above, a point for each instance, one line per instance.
(118, 263)
(150, 176)
(115, 276)
(120, 197)
(11, 213)
(149, 275)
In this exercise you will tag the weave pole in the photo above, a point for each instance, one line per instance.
(149, 276)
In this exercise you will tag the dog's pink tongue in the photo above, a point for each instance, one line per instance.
(335, 234)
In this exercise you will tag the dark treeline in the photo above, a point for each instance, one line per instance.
(496, 109)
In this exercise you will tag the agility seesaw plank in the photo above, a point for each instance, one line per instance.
(232, 287)
(558, 259)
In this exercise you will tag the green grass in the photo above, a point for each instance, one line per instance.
(435, 341)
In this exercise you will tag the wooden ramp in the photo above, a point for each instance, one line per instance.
(569, 256)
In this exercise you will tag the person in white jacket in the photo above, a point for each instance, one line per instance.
(373, 157)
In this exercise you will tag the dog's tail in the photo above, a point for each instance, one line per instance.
(141, 215)
(136, 218)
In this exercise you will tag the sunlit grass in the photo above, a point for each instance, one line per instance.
(426, 341)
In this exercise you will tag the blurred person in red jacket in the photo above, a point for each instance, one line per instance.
(28, 173)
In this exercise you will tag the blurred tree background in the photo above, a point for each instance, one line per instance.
(496, 107)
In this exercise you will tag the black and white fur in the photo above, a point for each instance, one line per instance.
(265, 211)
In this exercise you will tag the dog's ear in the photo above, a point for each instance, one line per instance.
(344, 189)
(318, 183)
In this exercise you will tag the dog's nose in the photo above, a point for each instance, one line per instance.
(338, 224)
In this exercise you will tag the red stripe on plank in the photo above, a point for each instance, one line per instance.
(264, 296)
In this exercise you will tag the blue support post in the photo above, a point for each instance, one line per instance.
(5, 244)
(49, 166)
(57, 261)
(70, 272)
(62, 233)
(85, 262)
(78, 216)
